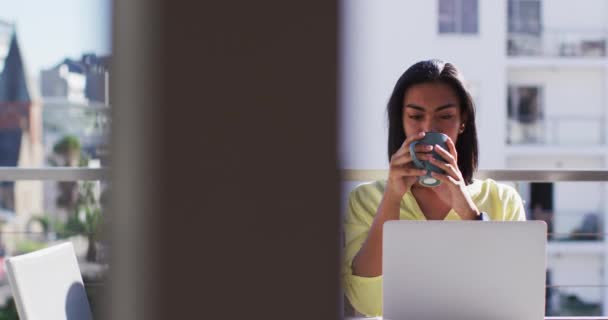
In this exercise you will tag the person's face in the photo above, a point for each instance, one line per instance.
(432, 107)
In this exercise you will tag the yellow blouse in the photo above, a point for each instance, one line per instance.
(499, 201)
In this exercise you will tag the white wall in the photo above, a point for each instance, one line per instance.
(574, 15)
(381, 39)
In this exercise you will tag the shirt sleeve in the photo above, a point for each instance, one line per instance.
(364, 293)
(500, 201)
(514, 207)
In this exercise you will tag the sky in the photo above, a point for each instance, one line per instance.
(49, 31)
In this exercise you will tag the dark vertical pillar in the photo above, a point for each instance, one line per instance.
(224, 171)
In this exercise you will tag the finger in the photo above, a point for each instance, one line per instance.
(407, 158)
(407, 172)
(406, 166)
(449, 168)
(452, 149)
(448, 157)
(420, 149)
(405, 146)
(441, 177)
(444, 178)
(413, 138)
(423, 148)
(452, 180)
(399, 153)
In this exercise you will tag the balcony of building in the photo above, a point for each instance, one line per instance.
(555, 47)
(544, 115)
(568, 131)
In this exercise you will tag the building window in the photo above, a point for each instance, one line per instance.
(524, 16)
(525, 113)
(458, 16)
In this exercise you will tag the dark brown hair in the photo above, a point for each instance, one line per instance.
(427, 72)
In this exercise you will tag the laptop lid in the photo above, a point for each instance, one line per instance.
(464, 270)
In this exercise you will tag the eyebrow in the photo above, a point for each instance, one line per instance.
(413, 106)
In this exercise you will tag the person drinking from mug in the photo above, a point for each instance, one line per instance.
(429, 179)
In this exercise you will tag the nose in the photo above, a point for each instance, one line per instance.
(430, 125)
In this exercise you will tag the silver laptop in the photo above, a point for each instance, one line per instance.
(464, 270)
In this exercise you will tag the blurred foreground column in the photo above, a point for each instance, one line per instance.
(224, 172)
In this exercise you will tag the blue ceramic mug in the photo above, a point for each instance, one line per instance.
(430, 138)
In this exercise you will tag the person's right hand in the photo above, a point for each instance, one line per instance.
(402, 171)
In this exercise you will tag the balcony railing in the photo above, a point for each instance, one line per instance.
(498, 175)
(42, 222)
(557, 130)
(56, 174)
(558, 43)
(576, 283)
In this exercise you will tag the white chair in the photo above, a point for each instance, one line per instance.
(46, 284)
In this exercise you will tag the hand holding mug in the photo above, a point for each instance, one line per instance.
(402, 172)
(431, 139)
(453, 189)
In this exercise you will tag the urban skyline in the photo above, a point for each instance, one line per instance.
(45, 40)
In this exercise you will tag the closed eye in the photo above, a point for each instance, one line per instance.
(416, 117)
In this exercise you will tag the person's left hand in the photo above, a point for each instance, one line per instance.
(452, 191)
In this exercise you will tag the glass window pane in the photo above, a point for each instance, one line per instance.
(524, 16)
(447, 16)
(525, 123)
(530, 16)
(511, 16)
(470, 16)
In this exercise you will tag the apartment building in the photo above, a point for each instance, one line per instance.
(539, 77)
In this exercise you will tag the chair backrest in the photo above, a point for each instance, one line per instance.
(46, 284)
